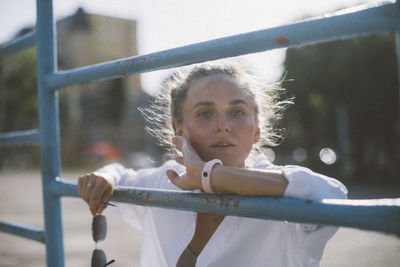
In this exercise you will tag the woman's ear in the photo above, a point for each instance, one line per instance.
(178, 129)
(256, 136)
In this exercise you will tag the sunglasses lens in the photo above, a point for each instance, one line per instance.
(98, 258)
(99, 228)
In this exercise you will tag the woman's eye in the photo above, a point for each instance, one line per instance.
(204, 114)
(237, 113)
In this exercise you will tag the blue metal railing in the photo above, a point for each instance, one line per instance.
(379, 215)
(18, 44)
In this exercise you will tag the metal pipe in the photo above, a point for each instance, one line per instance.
(18, 44)
(49, 132)
(29, 137)
(370, 214)
(25, 231)
(374, 20)
(398, 78)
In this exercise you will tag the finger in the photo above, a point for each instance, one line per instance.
(104, 200)
(178, 142)
(94, 198)
(180, 160)
(187, 147)
(80, 186)
(173, 177)
(101, 190)
(88, 187)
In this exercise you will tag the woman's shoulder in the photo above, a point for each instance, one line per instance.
(261, 161)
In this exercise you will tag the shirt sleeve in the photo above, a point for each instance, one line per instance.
(146, 178)
(122, 176)
(306, 184)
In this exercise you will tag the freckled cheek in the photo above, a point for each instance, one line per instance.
(245, 127)
(245, 132)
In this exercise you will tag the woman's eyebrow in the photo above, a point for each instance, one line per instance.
(238, 101)
(210, 103)
(203, 103)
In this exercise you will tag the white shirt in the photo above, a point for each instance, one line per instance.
(238, 241)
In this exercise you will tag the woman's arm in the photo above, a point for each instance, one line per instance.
(224, 179)
(249, 182)
(288, 181)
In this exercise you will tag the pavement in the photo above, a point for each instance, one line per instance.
(21, 202)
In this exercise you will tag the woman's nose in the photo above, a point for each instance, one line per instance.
(222, 124)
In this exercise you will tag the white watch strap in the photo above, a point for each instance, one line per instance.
(206, 174)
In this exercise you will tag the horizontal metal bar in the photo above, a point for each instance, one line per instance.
(23, 231)
(374, 20)
(29, 137)
(18, 44)
(372, 214)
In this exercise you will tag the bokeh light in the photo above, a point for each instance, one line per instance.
(270, 154)
(299, 154)
(327, 156)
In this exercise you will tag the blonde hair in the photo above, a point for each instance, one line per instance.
(167, 108)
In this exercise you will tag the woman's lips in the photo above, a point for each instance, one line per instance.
(222, 145)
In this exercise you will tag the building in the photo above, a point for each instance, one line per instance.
(99, 111)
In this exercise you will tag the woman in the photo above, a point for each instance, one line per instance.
(217, 116)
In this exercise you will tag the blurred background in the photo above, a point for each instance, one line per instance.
(344, 123)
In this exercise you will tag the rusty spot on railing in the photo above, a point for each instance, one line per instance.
(282, 40)
(224, 201)
(237, 203)
(209, 201)
(149, 197)
(309, 201)
(147, 58)
(123, 73)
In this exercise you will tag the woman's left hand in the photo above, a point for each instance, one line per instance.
(193, 163)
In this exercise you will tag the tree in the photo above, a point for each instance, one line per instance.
(359, 75)
(18, 103)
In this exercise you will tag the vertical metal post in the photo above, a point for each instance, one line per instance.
(397, 126)
(49, 132)
(398, 71)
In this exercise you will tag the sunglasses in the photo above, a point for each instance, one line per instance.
(99, 232)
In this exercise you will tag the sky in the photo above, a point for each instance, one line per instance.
(164, 24)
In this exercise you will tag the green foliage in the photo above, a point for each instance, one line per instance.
(18, 105)
(360, 75)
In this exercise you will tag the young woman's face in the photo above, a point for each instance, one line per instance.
(219, 120)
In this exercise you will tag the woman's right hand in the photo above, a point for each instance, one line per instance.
(96, 190)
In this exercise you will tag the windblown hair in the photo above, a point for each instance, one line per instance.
(167, 108)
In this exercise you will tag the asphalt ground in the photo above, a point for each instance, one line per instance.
(20, 202)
